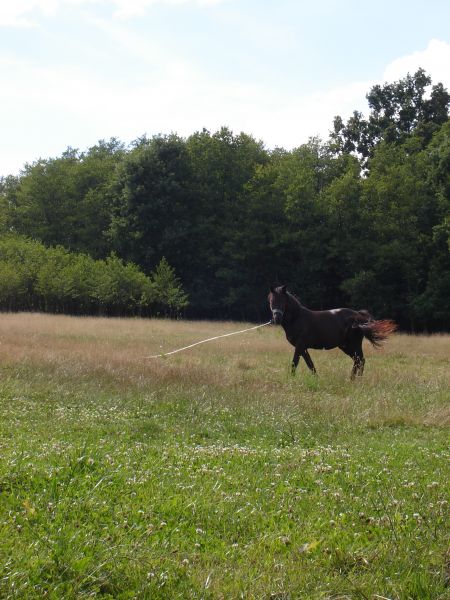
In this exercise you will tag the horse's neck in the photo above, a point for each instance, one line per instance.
(294, 310)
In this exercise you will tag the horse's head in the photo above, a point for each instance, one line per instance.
(277, 303)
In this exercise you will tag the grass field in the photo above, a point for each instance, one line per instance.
(214, 473)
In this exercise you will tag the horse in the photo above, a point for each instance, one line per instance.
(341, 328)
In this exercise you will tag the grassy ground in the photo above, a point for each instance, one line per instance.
(214, 473)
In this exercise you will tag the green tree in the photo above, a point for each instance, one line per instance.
(222, 163)
(122, 288)
(348, 242)
(13, 286)
(65, 200)
(431, 307)
(397, 110)
(33, 277)
(169, 294)
(257, 245)
(152, 202)
(304, 176)
(50, 285)
(25, 257)
(398, 211)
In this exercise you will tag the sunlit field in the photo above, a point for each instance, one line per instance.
(214, 473)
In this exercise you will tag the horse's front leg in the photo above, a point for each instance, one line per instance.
(309, 362)
(307, 358)
(295, 360)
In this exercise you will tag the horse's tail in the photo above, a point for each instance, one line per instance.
(377, 332)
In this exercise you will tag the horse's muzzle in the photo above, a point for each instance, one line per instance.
(277, 316)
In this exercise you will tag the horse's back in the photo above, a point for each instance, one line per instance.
(340, 317)
(330, 328)
(348, 315)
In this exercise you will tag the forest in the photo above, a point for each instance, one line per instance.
(201, 226)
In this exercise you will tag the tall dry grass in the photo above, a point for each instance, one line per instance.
(405, 381)
(214, 473)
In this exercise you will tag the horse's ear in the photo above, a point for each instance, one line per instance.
(283, 289)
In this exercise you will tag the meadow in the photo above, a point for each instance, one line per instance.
(214, 473)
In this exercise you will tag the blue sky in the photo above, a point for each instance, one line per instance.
(76, 71)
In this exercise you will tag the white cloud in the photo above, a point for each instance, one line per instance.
(435, 59)
(25, 13)
(135, 8)
(12, 14)
(46, 109)
(58, 107)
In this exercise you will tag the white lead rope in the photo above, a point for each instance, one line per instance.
(208, 340)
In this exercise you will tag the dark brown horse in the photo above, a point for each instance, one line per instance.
(342, 328)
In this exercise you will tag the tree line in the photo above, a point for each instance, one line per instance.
(34, 277)
(360, 219)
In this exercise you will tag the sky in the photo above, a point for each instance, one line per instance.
(73, 72)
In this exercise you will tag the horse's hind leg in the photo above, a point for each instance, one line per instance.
(355, 352)
(358, 364)
(358, 360)
(361, 363)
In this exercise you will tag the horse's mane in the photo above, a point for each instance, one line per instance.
(295, 298)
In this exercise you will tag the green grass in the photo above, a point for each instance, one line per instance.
(215, 474)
